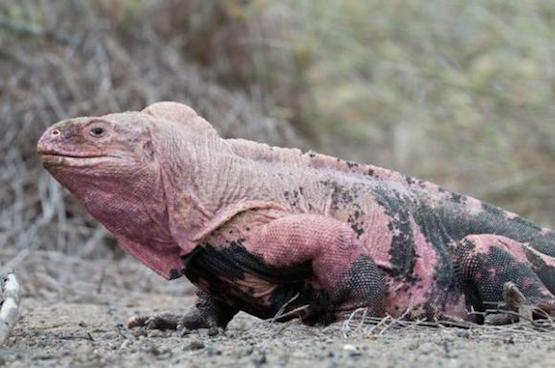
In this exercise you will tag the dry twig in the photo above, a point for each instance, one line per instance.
(9, 310)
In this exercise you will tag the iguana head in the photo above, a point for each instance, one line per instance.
(130, 171)
(111, 147)
(124, 150)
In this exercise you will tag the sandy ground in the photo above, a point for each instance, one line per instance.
(76, 318)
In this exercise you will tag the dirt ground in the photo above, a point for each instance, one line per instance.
(74, 313)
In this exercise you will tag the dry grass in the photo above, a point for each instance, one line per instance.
(360, 324)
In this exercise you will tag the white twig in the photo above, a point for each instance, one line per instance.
(281, 310)
(9, 305)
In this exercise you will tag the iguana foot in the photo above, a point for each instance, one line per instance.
(531, 308)
(162, 321)
(179, 322)
(206, 313)
(517, 302)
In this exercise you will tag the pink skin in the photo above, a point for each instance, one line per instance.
(420, 292)
(378, 241)
(400, 300)
(293, 156)
(331, 245)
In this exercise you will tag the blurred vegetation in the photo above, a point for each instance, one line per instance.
(457, 92)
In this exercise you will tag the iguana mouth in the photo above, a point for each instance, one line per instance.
(58, 154)
(50, 158)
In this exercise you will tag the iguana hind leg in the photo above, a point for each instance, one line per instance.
(496, 270)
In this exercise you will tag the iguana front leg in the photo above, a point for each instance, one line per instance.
(344, 277)
(205, 313)
(261, 272)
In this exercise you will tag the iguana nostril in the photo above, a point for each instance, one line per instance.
(55, 132)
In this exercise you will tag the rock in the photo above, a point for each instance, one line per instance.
(195, 345)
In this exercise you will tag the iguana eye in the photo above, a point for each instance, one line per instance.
(97, 132)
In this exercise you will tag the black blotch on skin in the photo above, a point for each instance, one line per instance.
(351, 164)
(458, 223)
(235, 260)
(490, 208)
(403, 254)
(528, 223)
(357, 229)
(458, 198)
(432, 226)
(343, 196)
(293, 197)
(221, 267)
(174, 274)
(544, 272)
(355, 220)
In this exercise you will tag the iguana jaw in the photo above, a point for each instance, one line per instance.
(51, 159)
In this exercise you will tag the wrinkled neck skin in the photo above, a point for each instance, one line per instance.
(205, 184)
(132, 207)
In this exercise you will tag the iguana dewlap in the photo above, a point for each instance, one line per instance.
(256, 227)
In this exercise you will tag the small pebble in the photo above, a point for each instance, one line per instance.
(195, 345)
(465, 334)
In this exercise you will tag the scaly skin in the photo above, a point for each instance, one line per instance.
(272, 230)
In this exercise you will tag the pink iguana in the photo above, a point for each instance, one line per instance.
(256, 227)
